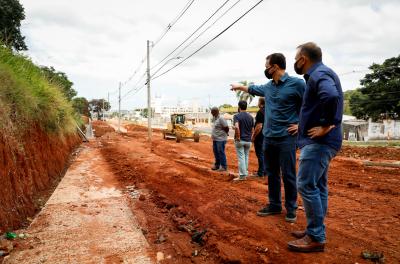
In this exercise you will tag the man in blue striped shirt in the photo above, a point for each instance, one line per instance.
(319, 138)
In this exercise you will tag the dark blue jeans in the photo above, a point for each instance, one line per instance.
(219, 154)
(312, 181)
(259, 149)
(280, 156)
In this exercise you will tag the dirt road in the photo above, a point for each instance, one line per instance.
(190, 214)
(86, 220)
(195, 215)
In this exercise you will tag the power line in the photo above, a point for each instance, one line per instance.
(170, 25)
(194, 32)
(353, 71)
(136, 71)
(136, 91)
(135, 86)
(198, 36)
(211, 40)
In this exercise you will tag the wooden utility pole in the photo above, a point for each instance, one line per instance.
(103, 111)
(108, 101)
(148, 93)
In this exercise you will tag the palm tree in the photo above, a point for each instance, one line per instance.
(244, 96)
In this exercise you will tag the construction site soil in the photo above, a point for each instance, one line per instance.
(194, 215)
(30, 168)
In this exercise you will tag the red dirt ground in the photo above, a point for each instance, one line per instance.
(182, 197)
(30, 167)
(371, 153)
(100, 128)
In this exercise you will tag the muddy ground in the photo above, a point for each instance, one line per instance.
(194, 215)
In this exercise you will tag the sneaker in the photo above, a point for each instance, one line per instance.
(291, 217)
(222, 169)
(267, 211)
(239, 179)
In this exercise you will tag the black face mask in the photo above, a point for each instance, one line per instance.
(267, 74)
(298, 70)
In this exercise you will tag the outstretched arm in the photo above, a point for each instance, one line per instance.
(239, 87)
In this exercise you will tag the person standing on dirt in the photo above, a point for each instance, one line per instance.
(319, 138)
(243, 124)
(283, 96)
(219, 135)
(258, 138)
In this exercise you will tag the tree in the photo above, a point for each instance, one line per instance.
(96, 105)
(225, 106)
(61, 80)
(11, 15)
(347, 96)
(244, 96)
(379, 96)
(81, 106)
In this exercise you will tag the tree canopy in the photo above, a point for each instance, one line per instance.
(11, 15)
(379, 96)
(61, 80)
(96, 105)
(81, 106)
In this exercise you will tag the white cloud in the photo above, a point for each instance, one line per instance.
(98, 43)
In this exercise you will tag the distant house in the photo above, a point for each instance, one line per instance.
(387, 129)
(354, 129)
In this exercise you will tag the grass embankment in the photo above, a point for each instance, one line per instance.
(37, 135)
(27, 97)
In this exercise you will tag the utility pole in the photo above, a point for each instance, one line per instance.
(209, 108)
(148, 92)
(108, 101)
(119, 108)
(103, 110)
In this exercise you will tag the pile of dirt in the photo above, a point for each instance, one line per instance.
(134, 127)
(100, 128)
(29, 167)
(371, 153)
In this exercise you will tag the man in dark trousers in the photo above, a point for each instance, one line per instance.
(319, 138)
(283, 96)
(258, 138)
(219, 135)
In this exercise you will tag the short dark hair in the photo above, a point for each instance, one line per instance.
(311, 51)
(242, 105)
(262, 100)
(278, 59)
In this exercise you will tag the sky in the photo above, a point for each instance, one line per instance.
(99, 43)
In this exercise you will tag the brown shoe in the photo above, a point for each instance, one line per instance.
(298, 234)
(306, 244)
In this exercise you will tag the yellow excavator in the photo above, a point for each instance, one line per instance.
(178, 130)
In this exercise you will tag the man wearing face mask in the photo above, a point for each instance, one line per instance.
(283, 97)
(319, 138)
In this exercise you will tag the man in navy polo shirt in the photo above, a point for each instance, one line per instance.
(283, 96)
(319, 138)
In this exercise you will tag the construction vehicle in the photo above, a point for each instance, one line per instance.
(178, 130)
